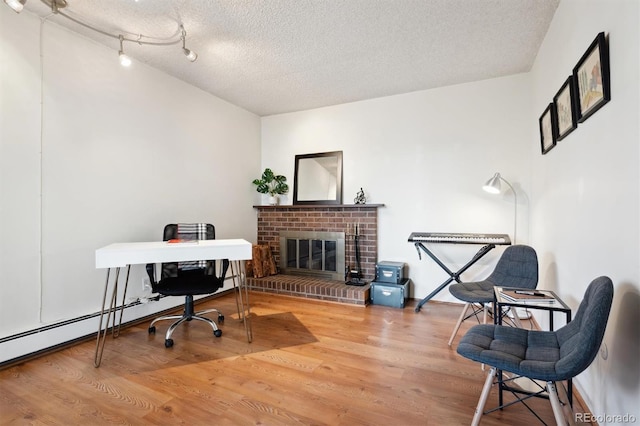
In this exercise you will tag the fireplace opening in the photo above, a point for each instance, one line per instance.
(318, 254)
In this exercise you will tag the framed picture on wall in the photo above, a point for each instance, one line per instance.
(565, 108)
(548, 129)
(591, 76)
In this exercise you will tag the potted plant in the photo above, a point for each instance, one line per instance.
(271, 184)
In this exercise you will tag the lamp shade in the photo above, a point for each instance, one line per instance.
(493, 185)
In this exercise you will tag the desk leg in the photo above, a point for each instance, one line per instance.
(116, 331)
(102, 334)
(242, 285)
(235, 287)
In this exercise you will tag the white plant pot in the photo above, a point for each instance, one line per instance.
(273, 200)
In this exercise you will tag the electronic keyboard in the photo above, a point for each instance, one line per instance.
(454, 238)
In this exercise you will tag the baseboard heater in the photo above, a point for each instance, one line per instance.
(29, 344)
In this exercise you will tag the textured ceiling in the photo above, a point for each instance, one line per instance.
(275, 56)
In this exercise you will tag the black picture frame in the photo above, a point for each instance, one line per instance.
(592, 79)
(565, 109)
(547, 124)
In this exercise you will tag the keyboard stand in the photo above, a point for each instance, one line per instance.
(452, 275)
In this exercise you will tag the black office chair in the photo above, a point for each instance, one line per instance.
(517, 267)
(551, 356)
(188, 278)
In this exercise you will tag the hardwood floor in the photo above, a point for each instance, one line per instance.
(311, 363)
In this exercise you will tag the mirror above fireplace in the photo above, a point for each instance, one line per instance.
(318, 178)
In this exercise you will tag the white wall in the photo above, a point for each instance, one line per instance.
(584, 197)
(126, 150)
(425, 156)
(112, 155)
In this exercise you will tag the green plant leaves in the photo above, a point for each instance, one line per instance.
(271, 183)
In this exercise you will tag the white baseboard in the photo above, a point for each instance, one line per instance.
(28, 343)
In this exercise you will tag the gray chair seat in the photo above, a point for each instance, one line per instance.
(533, 354)
(473, 292)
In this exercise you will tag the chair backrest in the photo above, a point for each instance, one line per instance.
(517, 267)
(580, 340)
(189, 231)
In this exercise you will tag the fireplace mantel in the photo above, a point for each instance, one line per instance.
(318, 206)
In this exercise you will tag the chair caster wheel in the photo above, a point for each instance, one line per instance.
(220, 319)
(152, 330)
(168, 343)
(217, 333)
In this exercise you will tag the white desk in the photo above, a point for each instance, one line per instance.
(120, 255)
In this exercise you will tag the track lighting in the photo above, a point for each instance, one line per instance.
(16, 5)
(190, 54)
(125, 61)
(140, 39)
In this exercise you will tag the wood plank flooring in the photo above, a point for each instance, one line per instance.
(310, 363)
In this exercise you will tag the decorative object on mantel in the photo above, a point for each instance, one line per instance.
(271, 184)
(360, 198)
(591, 76)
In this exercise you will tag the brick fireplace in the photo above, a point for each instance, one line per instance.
(272, 220)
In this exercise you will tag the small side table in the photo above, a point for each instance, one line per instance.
(557, 305)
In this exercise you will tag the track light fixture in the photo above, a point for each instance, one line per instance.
(125, 61)
(190, 54)
(16, 5)
(140, 39)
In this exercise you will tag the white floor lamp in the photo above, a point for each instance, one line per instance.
(493, 186)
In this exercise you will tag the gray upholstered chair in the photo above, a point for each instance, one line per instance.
(188, 279)
(550, 356)
(517, 267)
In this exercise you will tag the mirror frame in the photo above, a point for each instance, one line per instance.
(338, 198)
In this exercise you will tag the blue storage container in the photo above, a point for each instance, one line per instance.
(387, 294)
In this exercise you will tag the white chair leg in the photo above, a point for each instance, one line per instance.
(555, 404)
(569, 414)
(483, 397)
(455, 330)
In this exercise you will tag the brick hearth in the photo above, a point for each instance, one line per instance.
(320, 218)
(311, 288)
